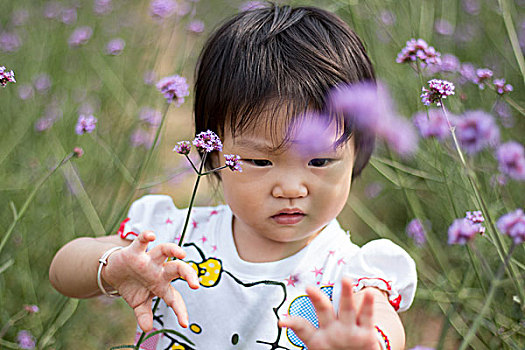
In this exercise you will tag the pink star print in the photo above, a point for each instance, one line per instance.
(194, 223)
(168, 221)
(178, 238)
(341, 261)
(331, 252)
(214, 212)
(213, 248)
(290, 281)
(204, 239)
(317, 271)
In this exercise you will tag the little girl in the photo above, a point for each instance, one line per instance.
(272, 268)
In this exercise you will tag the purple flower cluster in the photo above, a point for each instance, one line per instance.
(161, 9)
(476, 130)
(251, 5)
(233, 162)
(141, 137)
(449, 64)
(416, 231)
(42, 83)
(207, 141)
(511, 160)
(419, 50)
(196, 26)
(31, 308)
(483, 75)
(476, 218)
(436, 92)
(102, 7)
(115, 47)
(461, 231)
(513, 225)
(150, 116)
(85, 124)
(501, 87)
(432, 125)
(80, 36)
(182, 147)
(6, 76)
(174, 87)
(370, 109)
(9, 42)
(25, 340)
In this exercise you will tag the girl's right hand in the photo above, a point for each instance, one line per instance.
(139, 276)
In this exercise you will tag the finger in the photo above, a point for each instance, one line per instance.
(178, 268)
(167, 250)
(301, 327)
(144, 316)
(347, 312)
(140, 244)
(323, 306)
(174, 300)
(366, 311)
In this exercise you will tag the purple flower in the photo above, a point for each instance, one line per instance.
(443, 27)
(476, 218)
(207, 141)
(182, 147)
(9, 42)
(471, 7)
(416, 231)
(174, 87)
(150, 116)
(476, 130)
(513, 225)
(6, 76)
(387, 17)
(78, 152)
(461, 231)
(149, 77)
(498, 180)
(418, 50)
(511, 160)
(161, 9)
(233, 162)
(25, 91)
(115, 47)
(503, 111)
(196, 26)
(52, 9)
(432, 125)
(25, 340)
(80, 36)
(373, 190)
(501, 87)
(370, 110)
(68, 15)
(467, 72)
(251, 5)
(44, 123)
(437, 91)
(102, 7)
(141, 137)
(31, 308)
(483, 75)
(42, 83)
(85, 124)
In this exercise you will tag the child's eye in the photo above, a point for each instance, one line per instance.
(258, 162)
(319, 162)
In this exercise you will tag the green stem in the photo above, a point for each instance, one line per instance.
(492, 291)
(30, 199)
(125, 172)
(513, 37)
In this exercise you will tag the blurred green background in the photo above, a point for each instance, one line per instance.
(89, 196)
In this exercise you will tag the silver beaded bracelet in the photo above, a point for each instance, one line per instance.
(103, 261)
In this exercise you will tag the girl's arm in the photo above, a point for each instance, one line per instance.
(73, 271)
(137, 274)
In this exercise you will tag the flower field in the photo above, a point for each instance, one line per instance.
(96, 94)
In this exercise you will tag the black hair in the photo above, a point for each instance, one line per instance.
(278, 57)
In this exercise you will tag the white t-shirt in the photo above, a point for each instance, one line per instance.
(239, 303)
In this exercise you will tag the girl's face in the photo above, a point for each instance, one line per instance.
(283, 198)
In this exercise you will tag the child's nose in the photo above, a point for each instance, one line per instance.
(289, 187)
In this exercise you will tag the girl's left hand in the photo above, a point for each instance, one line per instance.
(348, 329)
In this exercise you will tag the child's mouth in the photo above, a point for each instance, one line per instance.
(288, 217)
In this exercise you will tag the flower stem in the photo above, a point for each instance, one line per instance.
(29, 199)
(492, 291)
(513, 37)
(125, 172)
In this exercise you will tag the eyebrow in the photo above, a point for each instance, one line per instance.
(255, 145)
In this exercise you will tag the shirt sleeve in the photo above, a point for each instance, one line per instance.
(388, 267)
(145, 214)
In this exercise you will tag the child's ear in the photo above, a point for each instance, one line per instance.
(214, 159)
